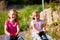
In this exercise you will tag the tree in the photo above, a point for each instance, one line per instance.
(57, 1)
(2, 4)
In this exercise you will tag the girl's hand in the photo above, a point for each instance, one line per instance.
(37, 32)
(8, 34)
(16, 34)
(13, 35)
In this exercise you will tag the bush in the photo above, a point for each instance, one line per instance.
(3, 17)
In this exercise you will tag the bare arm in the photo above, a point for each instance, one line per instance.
(18, 29)
(5, 30)
(43, 27)
(35, 29)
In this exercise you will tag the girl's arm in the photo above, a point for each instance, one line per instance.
(5, 30)
(43, 27)
(35, 29)
(18, 29)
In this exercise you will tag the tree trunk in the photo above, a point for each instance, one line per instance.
(2, 5)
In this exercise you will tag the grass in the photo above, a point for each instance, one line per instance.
(3, 17)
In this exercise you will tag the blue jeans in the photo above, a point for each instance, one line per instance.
(35, 36)
(42, 33)
(14, 38)
(11, 38)
(7, 38)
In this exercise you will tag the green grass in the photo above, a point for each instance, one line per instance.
(3, 17)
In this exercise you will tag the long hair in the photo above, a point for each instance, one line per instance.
(15, 12)
(35, 12)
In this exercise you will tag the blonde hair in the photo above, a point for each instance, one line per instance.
(15, 12)
(33, 14)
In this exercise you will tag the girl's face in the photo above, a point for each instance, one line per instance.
(37, 16)
(12, 15)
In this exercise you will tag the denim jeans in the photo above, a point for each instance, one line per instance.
(42, 33)
(16, 38)
(35, 36)
(11, 38)
(7, 37)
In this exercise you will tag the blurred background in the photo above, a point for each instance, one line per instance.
(49, 11)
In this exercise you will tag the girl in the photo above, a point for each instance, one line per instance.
(12, 25)
(37, 26)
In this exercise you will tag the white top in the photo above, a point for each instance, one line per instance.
(38, 25)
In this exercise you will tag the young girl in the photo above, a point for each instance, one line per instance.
(37, 26)
(12, 25)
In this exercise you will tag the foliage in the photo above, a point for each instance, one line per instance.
(3, 17)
